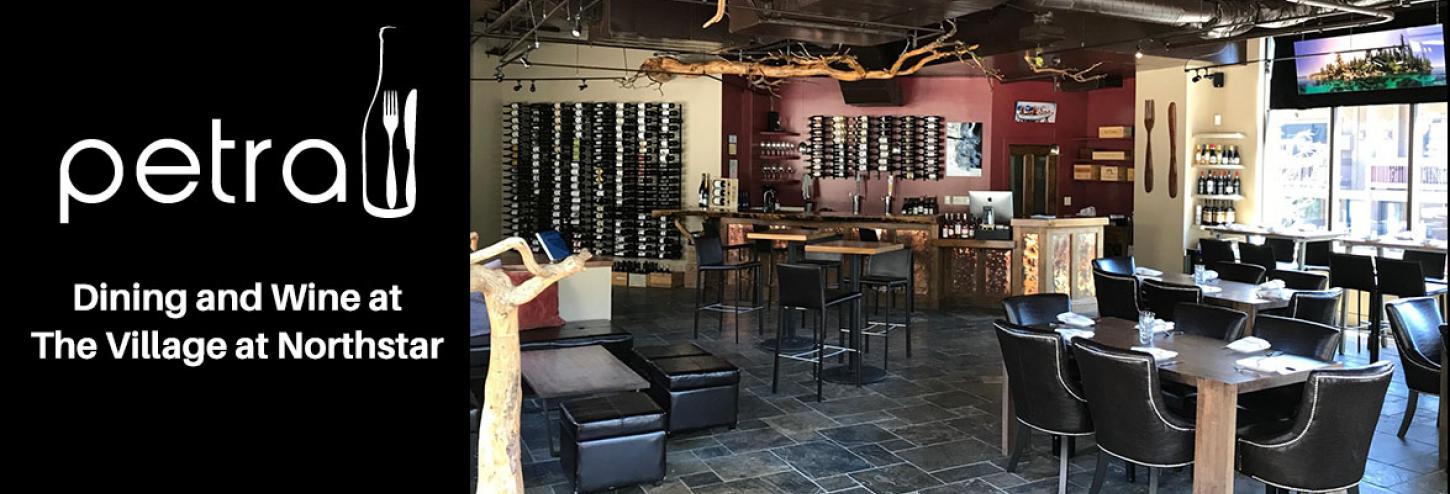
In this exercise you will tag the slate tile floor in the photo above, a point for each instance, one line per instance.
(930, 428)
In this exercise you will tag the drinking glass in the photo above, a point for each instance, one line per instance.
(1197, 273)
(1145, 327)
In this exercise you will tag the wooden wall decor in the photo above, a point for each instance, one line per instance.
(499, 468)
(1148, 153)
(1172, 150)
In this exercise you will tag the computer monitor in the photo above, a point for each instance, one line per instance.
(554, 245)
(999, 201)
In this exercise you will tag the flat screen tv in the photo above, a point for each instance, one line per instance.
(1405, 58)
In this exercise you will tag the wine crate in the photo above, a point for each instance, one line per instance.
(619, 279)
(1115, 131)
(1110, 173)
(638, 280)
(726, 191)
(1109, 154)
(674, 279)
(1084, 171)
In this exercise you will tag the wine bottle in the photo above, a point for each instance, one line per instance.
(1198, 214)
(1238, 183)
(1230, 215)
(704, 190)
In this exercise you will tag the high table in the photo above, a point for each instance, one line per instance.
(1300, 238)
(1204, 363)
(1380, 244)
(794, 238)
(855, 371)
(563, 373)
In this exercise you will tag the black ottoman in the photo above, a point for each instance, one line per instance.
(612, 441)
(698, 390)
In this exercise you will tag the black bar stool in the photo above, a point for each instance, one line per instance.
(1433, 264)
(1352, 272)
(1214, 251)
(710, 257)
(803, 288)
(888, 273)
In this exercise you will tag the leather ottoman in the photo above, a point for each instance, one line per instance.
(698, 390)
(612, 441)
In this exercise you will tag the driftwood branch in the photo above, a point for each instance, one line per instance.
(1039, 66)
(499, 467)
(719, 13)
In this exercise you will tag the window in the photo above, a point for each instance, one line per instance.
(1365, 170)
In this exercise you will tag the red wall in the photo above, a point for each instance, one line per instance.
(970, 99)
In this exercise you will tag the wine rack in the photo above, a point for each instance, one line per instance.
(594, 171)
(908, 147)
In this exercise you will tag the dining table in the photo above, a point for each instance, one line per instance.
(854, 251)
(795, 239)
(1243, 297)
(1213, 369)
(1301, 238)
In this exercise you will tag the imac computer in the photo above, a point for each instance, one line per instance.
(992, 206)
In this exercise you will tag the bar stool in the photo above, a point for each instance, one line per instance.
(1214, 251)
(1258, 255)
(1316, 255)
(1284, 249)
(710, 257)
(888, 273)
(1432, 263)
(803, 288)
(827, 262)
(1406, 279)
(1352, 272)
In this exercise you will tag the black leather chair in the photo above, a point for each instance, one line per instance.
(1210, 321)
(710, 258)
(827, 262)
(1351, 272)
(1126, 402)
(868, 235)
(612, 441)
(1301, 280)
(1040, 308)
(1121, 266)
(1413, 322)
(1404, 279)
(1325, 446)
(1044, 395)
(1240, 272)
(888, 273)
(1117, 295)
(1316, 254)
(803, 288)
(1260, 255)
(1163, 298)
(1318, 306)
(1214, 251)
(1431, 263)
(1284, 249)
(1298, 337)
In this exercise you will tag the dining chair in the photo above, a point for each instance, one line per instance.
(803, 288)
(1284, 249)
(1220, 323)
(1294, 337)
(1045, 398)
(711, 258)
(1125, 400)
(1317, 306)
(888, 273)
(1432, 263)
(1413, 321)
(1117, 295)
(1039, 308)
(1162, 298)
(1326, 445)
(1259, 255)
(1214, 251)
(1300, 280)
(1241, 272)
(1122, 266)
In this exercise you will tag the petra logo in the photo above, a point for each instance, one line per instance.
(393, 112)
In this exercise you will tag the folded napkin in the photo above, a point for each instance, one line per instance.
(1271, 285)
(1147, 272)
(1078, 320)
(1157, 353)
(1275, 365)
(1209, 288)
(1071, 333)
(1210, 275)
(1249, 344)
(1273, 289)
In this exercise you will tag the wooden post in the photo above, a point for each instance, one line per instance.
(499, 467)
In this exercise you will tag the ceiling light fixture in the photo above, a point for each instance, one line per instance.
(577, 28)
(524, 60)
(1139, 53)
(583, 84)
(518, 85)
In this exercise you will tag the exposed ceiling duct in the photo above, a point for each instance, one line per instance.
(1217, 19)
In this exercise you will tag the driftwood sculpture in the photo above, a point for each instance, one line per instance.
(499, 467)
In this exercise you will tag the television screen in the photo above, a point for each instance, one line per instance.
(1412, 57)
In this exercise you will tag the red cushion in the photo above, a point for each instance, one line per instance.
(543, 310)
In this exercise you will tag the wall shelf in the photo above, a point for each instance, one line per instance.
(1219, 135)
(1219, 167)
(1234, 197)
(778, 158)
(778, 133)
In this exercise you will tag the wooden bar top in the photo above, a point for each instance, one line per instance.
(853, 247)
(789, 235)
(802, 216)
(1058, 222)
(972, 243)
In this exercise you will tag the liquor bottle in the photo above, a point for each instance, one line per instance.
(1234, 158)
(1230, 215)
(704, 190)
(1238, 183)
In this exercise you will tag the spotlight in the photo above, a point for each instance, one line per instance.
(524, 60)
(1197, 76)
(1138, 54)
(518, 85)
(536, 42)
(583, 84)
(533, 88)
(498, 76)
(576, 30)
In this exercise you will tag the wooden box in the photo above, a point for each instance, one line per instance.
(673, 279)
(619, 278)
(1115, 131)
(1109, 154)
(638, 280)
(1083, 171)
(724, 195)
(1110, 173)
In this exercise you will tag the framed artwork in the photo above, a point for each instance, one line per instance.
(1035, 112)
(964, 149)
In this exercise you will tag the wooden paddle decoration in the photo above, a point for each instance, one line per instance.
(1172, 149)
(499, 467)
(1148, 153)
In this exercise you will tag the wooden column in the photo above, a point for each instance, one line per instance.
(1213, 447)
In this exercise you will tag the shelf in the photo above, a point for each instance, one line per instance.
(1219, 167)
(790, 181)
(778, 158)
(1234, 197)
(777, 133)
(1123, 139)
(1219, 135)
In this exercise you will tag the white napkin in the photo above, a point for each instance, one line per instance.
(1271, 285)
(1273, 289)
(1147, 272)
(1249, 344)
(1078, 320)
(1209, 288)
(1275, 365)
(1157, 353)
(1071, 333)
(1210, 275)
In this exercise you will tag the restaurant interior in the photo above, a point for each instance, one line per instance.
(933, 246)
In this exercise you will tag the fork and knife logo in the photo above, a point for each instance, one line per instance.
(391, 111)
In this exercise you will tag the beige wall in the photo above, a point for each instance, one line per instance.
(1240, 104)
(1158, 221)
(485, 192)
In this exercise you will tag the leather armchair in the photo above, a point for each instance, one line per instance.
(1326, 445)
(1297, 336)
(1241, 272)
(1258, 255)
(1162, 298)
(1044, 395)
(1117, 295)
(1121, 266)
(1041, 308)
(1210, 321)
(1126, 402)
(1317, 306)
(1414, 322)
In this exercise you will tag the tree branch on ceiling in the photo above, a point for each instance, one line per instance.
(719, 13)
(1039, 66)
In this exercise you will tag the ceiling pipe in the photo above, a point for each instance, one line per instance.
(1382, 14)
(1218, 20)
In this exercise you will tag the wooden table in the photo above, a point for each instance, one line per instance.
(855, 371)
(794, 238)
(1232, 294)
(561, 373)
(1206, 364)
(1300, 238)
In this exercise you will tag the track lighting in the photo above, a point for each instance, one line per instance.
(583, 84)
(533, 88)
(1138, 54)
(1197, 75)
(524, 60)
(576, 29)
(518, 85)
